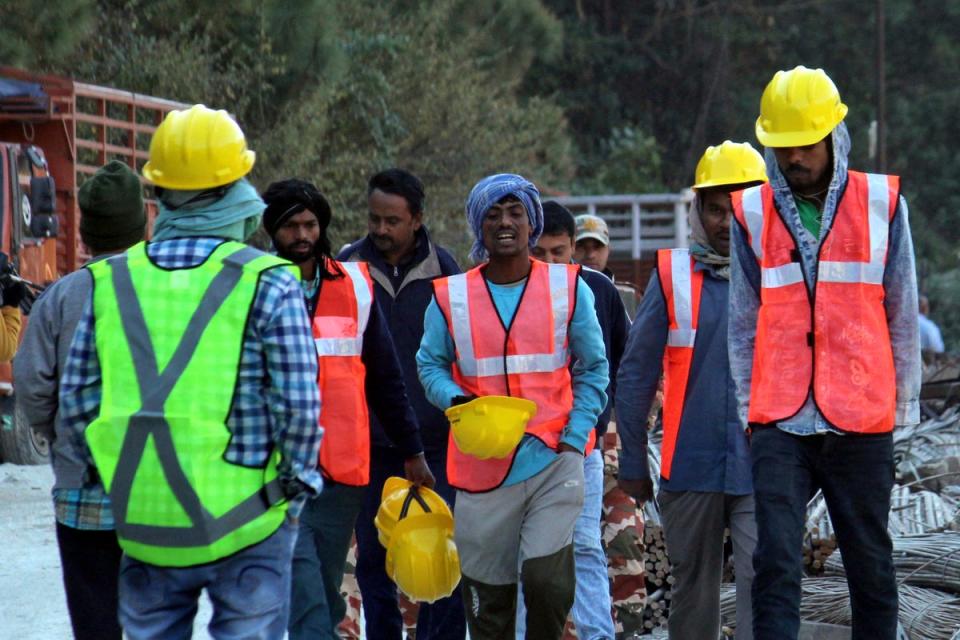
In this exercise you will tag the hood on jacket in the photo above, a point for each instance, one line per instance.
(840, 140)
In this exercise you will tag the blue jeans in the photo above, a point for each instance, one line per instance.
(248, 591)
(319, 559)
(591, 611)
(855, 473)
(442, 620)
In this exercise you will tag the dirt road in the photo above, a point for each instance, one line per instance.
(32, 602)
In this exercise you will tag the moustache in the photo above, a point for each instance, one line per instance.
(797, 168)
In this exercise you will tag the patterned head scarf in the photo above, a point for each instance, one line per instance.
(491, 190)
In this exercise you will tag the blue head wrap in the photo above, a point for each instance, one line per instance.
(491, 190)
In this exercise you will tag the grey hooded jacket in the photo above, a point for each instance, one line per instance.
(899, 284)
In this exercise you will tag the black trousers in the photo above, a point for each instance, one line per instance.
(855, 473)
(91, 566)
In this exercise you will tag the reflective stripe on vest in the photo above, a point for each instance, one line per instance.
(358, 277)
(133, 439)
(840, 346)
(681, 286)
(339, 322)
(528, 359)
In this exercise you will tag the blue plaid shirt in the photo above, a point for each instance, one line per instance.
(276, 400)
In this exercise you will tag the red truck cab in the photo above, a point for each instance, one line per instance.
(54, 133)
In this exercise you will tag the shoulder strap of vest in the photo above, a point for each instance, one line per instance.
(883, 192)
(356, 276)
(748, 206)
(681, 285)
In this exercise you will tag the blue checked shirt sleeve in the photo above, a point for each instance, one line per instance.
(81, 383)
(290, 361)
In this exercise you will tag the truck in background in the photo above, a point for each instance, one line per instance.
(54, 133)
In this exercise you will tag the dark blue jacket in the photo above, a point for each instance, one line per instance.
(615, 326)
(712, 452)
(403, 293)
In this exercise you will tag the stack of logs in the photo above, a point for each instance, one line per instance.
(819, 541)
(658, 578)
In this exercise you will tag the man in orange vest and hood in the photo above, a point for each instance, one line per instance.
(681, 332)
(356, 361)
(511, 327)
(824, 351)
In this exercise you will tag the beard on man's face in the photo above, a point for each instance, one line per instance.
(297, 252)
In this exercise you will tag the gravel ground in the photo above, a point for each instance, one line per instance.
(32, 604)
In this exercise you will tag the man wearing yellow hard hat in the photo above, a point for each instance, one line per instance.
(824, 350)
(192, 379)
(681, 332)
(511, 327)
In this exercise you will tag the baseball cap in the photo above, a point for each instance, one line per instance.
(591, 226)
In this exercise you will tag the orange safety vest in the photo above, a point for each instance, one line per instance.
(681, 286)
(835, 341)
(339, 321)
(529, 359)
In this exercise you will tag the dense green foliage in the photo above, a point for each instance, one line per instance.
(586, 96)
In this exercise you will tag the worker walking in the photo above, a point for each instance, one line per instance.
(510, 327)
(681, 332)
(356, 363)
(112, 219)
(192, 380)
(591, 604)
(403, 262)
(824, 350)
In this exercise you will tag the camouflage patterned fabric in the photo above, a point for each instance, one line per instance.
(349, 628)
(622, 536)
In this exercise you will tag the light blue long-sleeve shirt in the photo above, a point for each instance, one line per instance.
(590, 373)
(899, 285)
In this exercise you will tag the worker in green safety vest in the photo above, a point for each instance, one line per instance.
(192, 381)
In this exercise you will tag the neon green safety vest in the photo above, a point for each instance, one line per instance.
(169, 343)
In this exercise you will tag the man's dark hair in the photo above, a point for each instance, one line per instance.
(289, 197)
(400, 183)
(557, 219)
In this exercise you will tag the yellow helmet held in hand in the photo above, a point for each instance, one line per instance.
(197, 149)
(799, 107)
(730, 163)
(399, 500)
(490, 426)
(422, 558)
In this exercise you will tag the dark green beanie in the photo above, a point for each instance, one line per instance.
(111, 208)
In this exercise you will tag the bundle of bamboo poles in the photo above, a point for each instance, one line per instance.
(925, 614)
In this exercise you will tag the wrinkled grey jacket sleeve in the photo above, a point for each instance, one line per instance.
(36, 368)
(742, 322)
(900, 302)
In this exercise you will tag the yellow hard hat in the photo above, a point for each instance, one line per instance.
(401, 500)
(799, 107)
(490, 426)
(196, 149)
(422, 558)
(730, 163)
